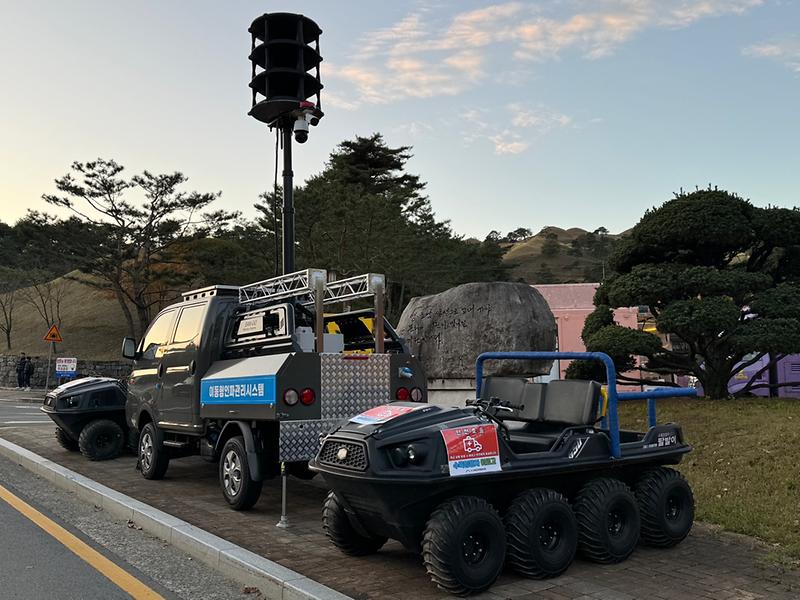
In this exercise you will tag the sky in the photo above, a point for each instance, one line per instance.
(573, 113)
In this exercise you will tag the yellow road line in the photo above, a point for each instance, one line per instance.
(118, 576)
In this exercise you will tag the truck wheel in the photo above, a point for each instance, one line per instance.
(153, 457)
(542, 533)
(65, 440)
(101, 440)
(464, 545)
(666, 504)
(300, 470)
(342, 534)
(608, 520)
(239, 489)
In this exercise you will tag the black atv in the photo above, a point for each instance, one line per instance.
(89, 414)
(527, 475)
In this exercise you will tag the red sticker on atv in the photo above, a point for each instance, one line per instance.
(473, 449)
(381, 414)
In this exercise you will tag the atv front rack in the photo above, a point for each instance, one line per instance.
(611, 419)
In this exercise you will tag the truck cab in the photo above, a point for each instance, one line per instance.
(253, 376)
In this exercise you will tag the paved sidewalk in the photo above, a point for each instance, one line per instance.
(707, 565)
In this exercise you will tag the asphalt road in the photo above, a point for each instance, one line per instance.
(52, 545)
(18, 412)
(34, 564)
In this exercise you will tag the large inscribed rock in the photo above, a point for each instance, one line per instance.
(448, 331)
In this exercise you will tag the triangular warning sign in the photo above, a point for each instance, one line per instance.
(53, 335)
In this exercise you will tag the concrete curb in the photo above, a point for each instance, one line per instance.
(274, 580)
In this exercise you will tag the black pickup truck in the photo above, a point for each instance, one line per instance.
(252, 377)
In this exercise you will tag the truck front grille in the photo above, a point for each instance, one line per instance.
(346, 455)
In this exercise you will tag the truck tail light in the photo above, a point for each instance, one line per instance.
(290, 397)
(416, 394)
(402, 393)
(307, 396)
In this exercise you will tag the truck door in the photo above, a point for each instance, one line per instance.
(144, 385)
(179, 399)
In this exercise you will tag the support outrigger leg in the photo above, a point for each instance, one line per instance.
(284, 522)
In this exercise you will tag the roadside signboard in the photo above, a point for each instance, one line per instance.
(66, 367)
(53, 335)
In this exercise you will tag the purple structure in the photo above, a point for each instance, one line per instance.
(788, 370)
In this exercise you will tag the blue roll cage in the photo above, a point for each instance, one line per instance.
(612, 417)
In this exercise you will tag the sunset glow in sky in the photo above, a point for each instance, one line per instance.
(556, 112)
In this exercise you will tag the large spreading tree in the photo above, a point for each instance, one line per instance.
(136, 229)
(721, 278)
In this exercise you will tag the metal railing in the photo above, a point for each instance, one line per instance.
(612, 417)
(283, 287)
(352, 288)
(302, 284)
(311, 288)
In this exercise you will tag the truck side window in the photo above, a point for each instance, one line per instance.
(157, 334)
(189, 323)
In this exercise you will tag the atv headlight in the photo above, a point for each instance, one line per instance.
(416, 454)
(71, 401)
(400, 456)
(408, 454)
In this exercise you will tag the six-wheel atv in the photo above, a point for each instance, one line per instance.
(527, 475)
(89, 414)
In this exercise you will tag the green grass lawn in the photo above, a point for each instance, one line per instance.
(745, 467)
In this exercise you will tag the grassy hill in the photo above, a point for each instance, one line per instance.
(528, 263)
(92, 323)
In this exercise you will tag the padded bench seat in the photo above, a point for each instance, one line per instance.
(546, 408)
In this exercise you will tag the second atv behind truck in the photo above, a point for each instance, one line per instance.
(89, 414)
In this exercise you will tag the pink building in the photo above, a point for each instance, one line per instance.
(571, 303)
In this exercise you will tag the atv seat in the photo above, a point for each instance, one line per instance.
(547, 409)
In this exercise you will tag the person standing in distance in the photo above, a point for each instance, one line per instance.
(29, 368)
(21, 371)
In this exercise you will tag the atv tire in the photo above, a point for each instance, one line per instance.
(66, 441)
(240, 490)
(464, 545)
(342, 534)
(608, 520)
(666, 504)
(153, 457)
(542, 534)
(102, 440)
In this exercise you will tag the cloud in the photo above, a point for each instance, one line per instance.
(530, 122)
(425, 56)
(414, 129)
(540, 118)
(508, 142)
(784, 50)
